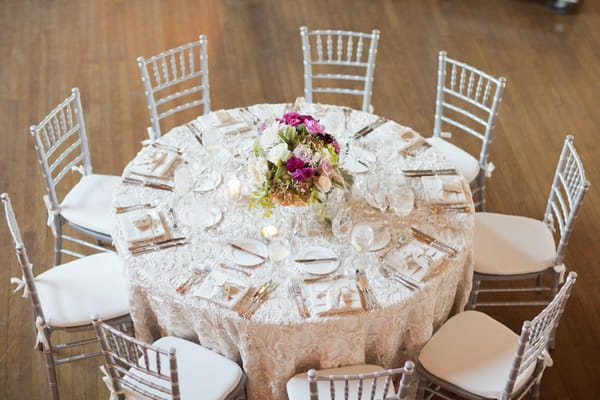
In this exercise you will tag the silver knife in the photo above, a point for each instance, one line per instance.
(238, 247)
(315, 260)
(159, 247)
(161, 242)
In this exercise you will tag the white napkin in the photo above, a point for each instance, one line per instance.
(154, 163)
(228, 125)
(340, 296)
(222, 289)
(141, 225)
(445, 189)
(416, 260)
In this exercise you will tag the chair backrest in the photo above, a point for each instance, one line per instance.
(136, 366)
(331, 51)
(60, 141)
(171, 80)
(374, 386)
(24, 263)
(467, 100)
(566, 195)
(537, 334)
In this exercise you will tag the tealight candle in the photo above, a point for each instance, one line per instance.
(269, 231)
(234, 188)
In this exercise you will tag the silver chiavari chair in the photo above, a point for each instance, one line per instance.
(61, 144)
(467, 102)
(170, 368)
(332, 57)
(175, 80)
(352, 383)
(516, 248)
(476, 357)
(63, 297)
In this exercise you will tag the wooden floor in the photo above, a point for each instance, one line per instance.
(551, 62)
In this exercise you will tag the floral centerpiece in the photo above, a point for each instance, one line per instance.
(295, 162)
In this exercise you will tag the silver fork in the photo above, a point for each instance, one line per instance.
(295, 292)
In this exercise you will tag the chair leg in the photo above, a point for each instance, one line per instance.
(50, 369)
(472, 303)
(57, 243)
(481, 193)
(535, 390)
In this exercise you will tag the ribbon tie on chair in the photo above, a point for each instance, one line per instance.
(560, 269)
(20, 282)
(109, 384)
(40, 336)
(489, 168)
(52, 214)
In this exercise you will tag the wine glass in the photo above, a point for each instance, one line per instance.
(377, 193)
(362, 237)
(402, 202)
(341, 225)
(183, 180)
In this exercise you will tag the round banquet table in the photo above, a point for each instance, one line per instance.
(276, 342)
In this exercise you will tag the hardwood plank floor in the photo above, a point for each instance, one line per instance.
(551, 62)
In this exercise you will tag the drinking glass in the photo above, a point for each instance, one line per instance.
(183, 180)
(279, 250)
(362, 239)
(402, 201)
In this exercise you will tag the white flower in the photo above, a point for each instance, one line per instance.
(278, 154)
(323, 184)
(257, 169)
(270, 136)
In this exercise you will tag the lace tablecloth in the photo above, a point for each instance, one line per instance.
(276, 342)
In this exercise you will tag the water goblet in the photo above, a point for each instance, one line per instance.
(279, 250)
(362, 239)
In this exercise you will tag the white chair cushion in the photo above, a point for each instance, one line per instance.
(510, 244)
(70, 293)
(203, 374)
(297, 387)
(474, 352)
(89, 203)
(463, 161)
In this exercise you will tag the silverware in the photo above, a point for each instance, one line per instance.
(410, 151)
(295, 292)
(139, 174)
(188, 283)
(404, 281)
(158, 243)
(240, 248)
(433, 242)
(255, 118)
(163, 146)
(323, 277)
(159, 247)
(257, 293)
(248, 274)
(364, 287)
(370, 127)
(197, 134)
(428, 172)
(260, 298)
(141, 182)
(454, 207)
(124, 209)
(314, 260)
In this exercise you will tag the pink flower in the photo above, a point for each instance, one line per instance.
(293, 164)
(326, 167)
(303, 174)
(313, 126)
(294, 118)
(303, 153)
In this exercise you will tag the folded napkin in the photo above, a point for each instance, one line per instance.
(222, 289)
(228, 125)
(416, 260)
(444, 189)
(409, 139)
(153, 163)
(340, 296)
(142, 225)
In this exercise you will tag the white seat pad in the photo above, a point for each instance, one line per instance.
(203, 374)
(89, 203)
(474, 352)
(510, 244)
(297, 386)
(70, 293)
(463, 161)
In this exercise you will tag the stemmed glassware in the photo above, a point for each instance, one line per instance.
(362, 237)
